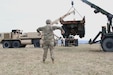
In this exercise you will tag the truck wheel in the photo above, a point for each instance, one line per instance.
(81, 34)
(6, 44)
(66, 43)
(15, 44)
(107, 45)
(36, 43)
(76, 42)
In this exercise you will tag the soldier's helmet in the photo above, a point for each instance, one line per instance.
(48, 21)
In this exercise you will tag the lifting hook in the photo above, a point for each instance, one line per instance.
(72, 3)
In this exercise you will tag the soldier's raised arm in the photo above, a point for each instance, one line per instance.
(60, 28)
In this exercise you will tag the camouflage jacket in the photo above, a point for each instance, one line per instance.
(47, 31)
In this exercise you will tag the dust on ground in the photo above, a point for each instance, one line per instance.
(82, 60)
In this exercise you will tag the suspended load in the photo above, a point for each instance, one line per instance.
(74, 27)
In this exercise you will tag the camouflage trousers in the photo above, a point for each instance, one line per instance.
(47, 45)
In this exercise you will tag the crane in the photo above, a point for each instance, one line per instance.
(104, 12)
(73, 27)
(106, 40)
(65, 15)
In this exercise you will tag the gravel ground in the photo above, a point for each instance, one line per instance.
(82, 60)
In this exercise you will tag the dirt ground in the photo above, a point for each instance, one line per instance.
(82, 60)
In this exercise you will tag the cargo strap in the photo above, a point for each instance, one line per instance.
(72, 3)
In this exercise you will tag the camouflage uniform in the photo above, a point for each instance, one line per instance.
(48, 39)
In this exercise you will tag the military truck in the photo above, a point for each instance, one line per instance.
(71, 41)
(72, 28)
(17, 39)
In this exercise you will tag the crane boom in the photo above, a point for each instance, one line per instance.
(106, 39)
(98, 9)
(67, 14)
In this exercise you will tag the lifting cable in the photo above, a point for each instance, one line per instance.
(72, 3)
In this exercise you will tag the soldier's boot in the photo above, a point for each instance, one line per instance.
(43, 60)
(52, 54)
(52, 60)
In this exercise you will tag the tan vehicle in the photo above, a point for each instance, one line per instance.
(17, 39)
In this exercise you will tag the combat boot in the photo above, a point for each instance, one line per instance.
(43, 60)
(53, 61)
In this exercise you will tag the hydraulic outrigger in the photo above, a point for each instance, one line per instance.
(106, 40)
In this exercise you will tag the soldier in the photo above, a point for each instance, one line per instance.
(62, 41)
(48, 38)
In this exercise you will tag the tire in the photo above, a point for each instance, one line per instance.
(81, 34)
(16, 44)
(66, 43)
(6, 44)
(107, 45)
(76, 42)
(36, 43)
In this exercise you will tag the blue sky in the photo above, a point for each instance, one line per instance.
(28, 15)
